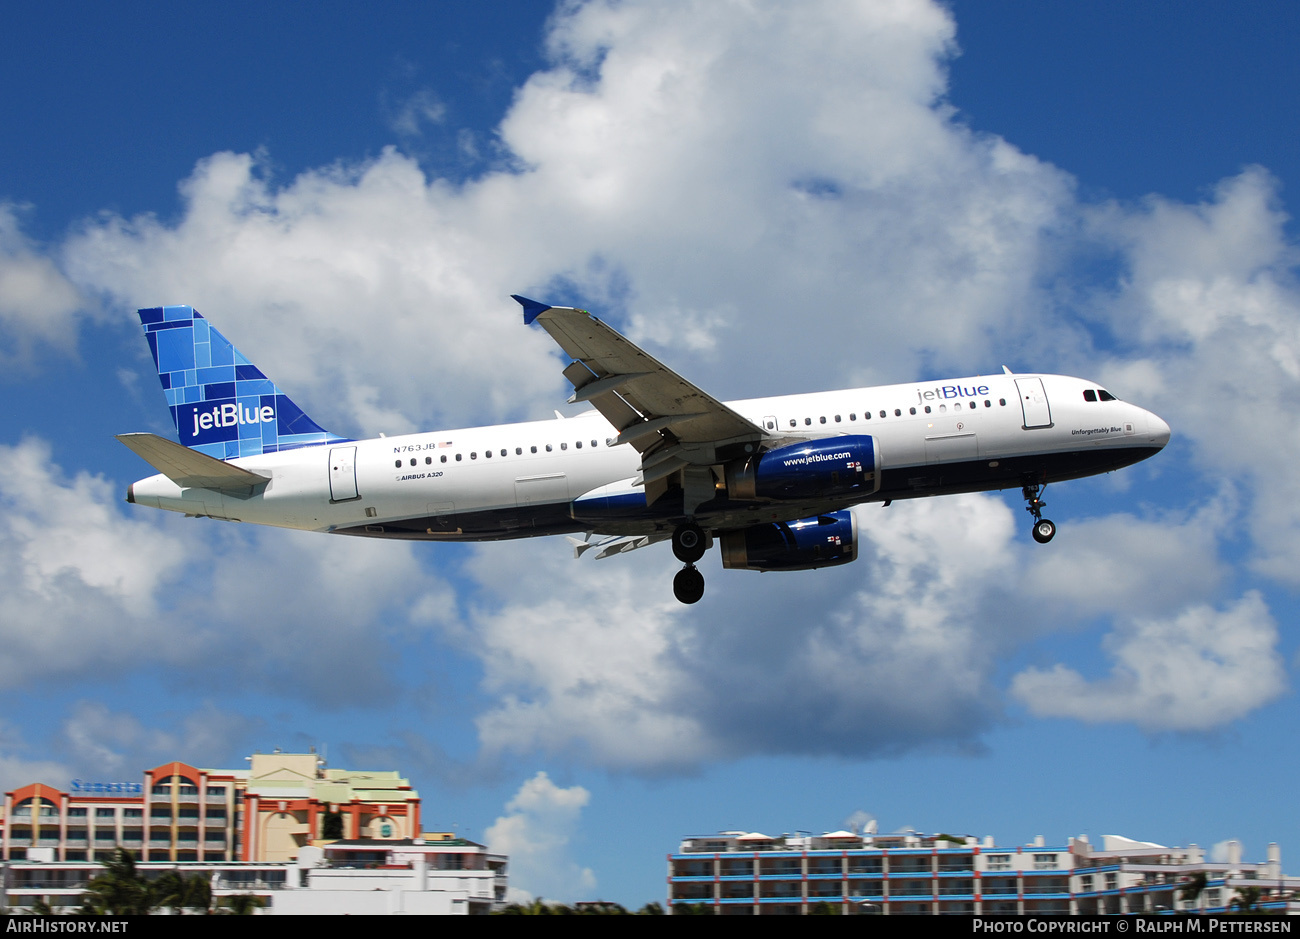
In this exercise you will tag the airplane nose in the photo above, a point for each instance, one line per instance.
(1158, 430)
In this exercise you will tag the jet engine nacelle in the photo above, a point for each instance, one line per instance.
(820, 541)
(827, 467)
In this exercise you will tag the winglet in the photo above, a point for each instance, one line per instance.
(532, 309)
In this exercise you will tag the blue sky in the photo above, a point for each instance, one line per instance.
(771, 203)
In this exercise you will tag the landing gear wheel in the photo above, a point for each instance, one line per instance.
(1044, 529)
(689, 544)
(688, 585)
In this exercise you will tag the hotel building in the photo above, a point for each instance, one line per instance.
(749, 873)
(177, 812)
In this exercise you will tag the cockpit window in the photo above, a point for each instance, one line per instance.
(1089, 395)
(1106, 395)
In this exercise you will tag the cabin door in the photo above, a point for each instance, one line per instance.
(343, 474)
(1033, 403)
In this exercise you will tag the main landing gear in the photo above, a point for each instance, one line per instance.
(689, 544)
(1044, 528)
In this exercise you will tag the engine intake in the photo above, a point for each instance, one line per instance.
(804, 545)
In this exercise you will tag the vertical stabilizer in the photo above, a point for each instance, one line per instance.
(221, 403)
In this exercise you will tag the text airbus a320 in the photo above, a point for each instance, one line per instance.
(770, 480)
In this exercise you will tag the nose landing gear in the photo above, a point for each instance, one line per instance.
(1044, 528)
(689, 544)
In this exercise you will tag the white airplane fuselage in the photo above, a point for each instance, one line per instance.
(545, 477)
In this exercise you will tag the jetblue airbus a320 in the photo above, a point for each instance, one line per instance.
(771, 480)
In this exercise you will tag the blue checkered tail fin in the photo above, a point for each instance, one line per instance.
(221, 403)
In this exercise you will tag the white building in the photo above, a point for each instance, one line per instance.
(450, 876)
(437, 874)
(749, 873)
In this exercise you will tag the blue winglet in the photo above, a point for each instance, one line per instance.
(532, 309)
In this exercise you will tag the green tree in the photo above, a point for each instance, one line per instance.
(332, 829)
(183, 893)
(1194, 887)
(1247, 900)
(651, 909)
(120, 890)
(244, 904)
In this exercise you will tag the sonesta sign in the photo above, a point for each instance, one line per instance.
(108, 788)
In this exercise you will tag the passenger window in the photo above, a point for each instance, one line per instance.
(793, 422)
(988, 403)
(882, 413)
(457, 457)
(972, 405)
(823, 418)
(548, 448)
(398, 464)
(593, 443)
(911, 410)
(487, 454)
(473, 454)
(854, 416)
(1002, 402)
(428, 460)
(1089, 395)
(519, 451)
(564, 446)
(807, 421)
(503, 453)
(532, 449)
(578, 444)
(444, 458)
(898, 412)
(927, 409)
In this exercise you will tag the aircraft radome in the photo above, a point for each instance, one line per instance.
(771, 480)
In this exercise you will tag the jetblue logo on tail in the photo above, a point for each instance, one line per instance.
(221, 403)
(230, 415)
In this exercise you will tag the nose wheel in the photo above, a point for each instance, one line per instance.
(1044, 528)
(689, 544)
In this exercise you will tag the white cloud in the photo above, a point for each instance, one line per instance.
(16, 769)
(1198, 670)
(536, 832)
(98, 740)
(410, 116)
(37, 303)
(92, 587)
(80, 581)
(731, 206)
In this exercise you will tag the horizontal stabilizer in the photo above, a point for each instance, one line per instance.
(191, 469)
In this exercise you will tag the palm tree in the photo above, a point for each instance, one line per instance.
(120, 890)
(1194, 887)
(536, 907)
(243, 904)
(183, 893)
(1247, 900)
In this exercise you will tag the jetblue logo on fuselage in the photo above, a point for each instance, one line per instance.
(231, 415)
(948, 392)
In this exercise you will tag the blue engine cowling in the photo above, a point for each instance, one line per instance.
(824, 468)
(809, 543)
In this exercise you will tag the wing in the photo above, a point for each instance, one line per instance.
(680, 430)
